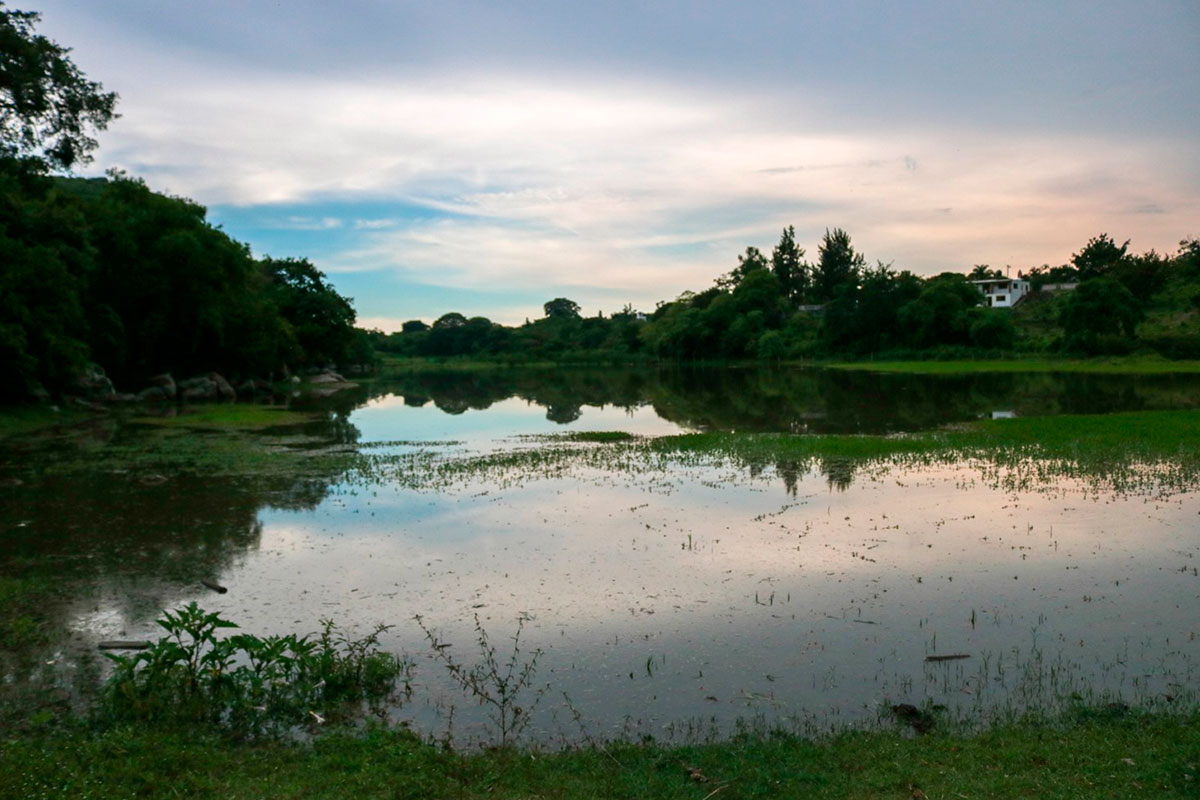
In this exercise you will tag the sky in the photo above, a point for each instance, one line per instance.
(485, 157)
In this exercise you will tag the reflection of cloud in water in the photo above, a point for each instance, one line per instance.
(736, 580)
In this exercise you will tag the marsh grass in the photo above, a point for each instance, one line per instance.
(1156, 451)
(1133, 365)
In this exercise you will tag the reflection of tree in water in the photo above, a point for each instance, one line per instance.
(798, 401)
(563, 414)
(838, 472)
(137, 546)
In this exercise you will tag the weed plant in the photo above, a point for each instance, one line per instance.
(494, 683)
(251, 686)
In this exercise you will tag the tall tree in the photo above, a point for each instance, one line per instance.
(1100, 256)
(49, 110)
(751, 262)
(838, 266)
(561, 308)
(787, 262)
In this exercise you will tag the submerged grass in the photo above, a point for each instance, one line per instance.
(1157, 449)
(1090, 753)
(1132, 365)
(230, 416)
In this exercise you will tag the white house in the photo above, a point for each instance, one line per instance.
(1003, 292)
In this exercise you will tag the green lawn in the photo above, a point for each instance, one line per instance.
(1096, 754)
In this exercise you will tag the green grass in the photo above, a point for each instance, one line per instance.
(22, 602)
(1083, 756)
(24, 420)
(1120, 451)
(1101, 437)
(1132, 365)
(230, 416)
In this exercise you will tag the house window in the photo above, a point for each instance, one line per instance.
(1000, 298)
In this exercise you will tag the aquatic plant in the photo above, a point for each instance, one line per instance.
(249, 685)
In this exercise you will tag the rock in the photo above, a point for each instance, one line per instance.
(224, 389)
(294, 379)
(326, 377)
(156, 394)
(88, 404)
(166, 383)
(200, 388)
(119, 398)
(39, 393)
(93, 383)
(254, 386)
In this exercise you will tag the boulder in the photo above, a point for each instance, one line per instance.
(88, 404)
(199, 388)
(93, 384)
(254, 386)
(166, 383)
(326, 377)
(120, 398)
(156, 394)
(224, 389)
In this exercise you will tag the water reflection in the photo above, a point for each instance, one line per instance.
(828, 593)
(797, 400)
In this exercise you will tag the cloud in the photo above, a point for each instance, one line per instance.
(307, 224)
(609, 182)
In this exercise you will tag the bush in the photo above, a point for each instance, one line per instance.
(249, 685)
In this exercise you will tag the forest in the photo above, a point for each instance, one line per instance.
(1106, 301)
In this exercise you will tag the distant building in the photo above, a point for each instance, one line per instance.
(1003, 292)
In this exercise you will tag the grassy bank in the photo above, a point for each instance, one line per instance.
(1133, 365)
(1104, 753)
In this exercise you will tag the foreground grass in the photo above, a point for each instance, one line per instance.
(1088, 755)
(1133, 365)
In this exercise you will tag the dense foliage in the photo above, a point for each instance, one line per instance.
(108, 271)
(1106, 300)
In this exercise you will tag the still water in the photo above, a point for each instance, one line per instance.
(668, 598)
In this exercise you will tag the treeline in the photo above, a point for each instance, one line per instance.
(107, 271)
(781, 306)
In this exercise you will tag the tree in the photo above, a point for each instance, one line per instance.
(982, 272)
(48, 110)
(1100, 256)
(452, 319)
(939, 315)
(837, 265)
(1097, 314)
(322, 319)
(414, 326)
(561, 308)
(787, 262)
(748, 264)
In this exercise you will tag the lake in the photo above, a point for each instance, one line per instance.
(674, 596)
